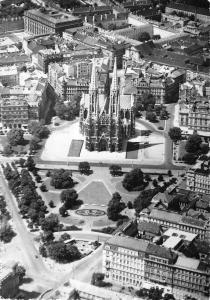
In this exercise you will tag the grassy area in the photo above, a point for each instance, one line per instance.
(75, 148)
(95, 193)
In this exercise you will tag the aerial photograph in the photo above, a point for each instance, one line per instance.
(105, 149)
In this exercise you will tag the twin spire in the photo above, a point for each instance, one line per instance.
(114, 85)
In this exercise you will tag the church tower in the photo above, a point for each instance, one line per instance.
(93, 107)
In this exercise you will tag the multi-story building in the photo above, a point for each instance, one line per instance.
(134, 32)
(9, 76)
(174, 220)
(198, 178)
(47, 20)
(91, 11)
(195, 116)
(69, 79)
(123, 260)
(20, 104)
(200, 14)
(14, 113)
(9, 281)
(132, 262)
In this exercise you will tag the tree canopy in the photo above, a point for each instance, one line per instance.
(175, 134)
(15, 137)
(193, 143)
(115, 206)
(69, 197)
(61, 179)
(133, 180)
(38, 129)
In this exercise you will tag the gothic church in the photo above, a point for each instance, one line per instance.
(106, 119)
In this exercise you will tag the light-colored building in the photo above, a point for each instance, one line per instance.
(9, 76)
(198, 178)
(174, 220)
(47, 20)
(74, 289)
(73, 77)
(139, 263)
(134, 32)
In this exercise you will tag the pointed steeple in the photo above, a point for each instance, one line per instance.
(114, 85)
(93, 77)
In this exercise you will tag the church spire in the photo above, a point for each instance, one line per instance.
(114, 85)
(93, 77)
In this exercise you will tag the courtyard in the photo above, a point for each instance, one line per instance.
(68, 144)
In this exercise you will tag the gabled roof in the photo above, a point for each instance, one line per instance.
(150, 227)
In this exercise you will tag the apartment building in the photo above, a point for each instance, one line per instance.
(139, 263)
(46, 20)
(9, 76)
(198, 178)
(69, 79)
(174, 220)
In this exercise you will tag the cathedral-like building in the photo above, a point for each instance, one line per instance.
(106, 119)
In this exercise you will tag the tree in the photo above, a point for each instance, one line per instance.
(144, 199)
(63, 253)
(30, 164)
(193, 143)
(50, 223)
(175, 134)
(170, 173)
(155, 293)
(148, 101)
(38, 129)
(47, 237)
(155, 183)
(160, 177)
(15, 137)
(65, 236)
(61, 179)
(133, 179)
(130, 205)
(69, 197)
(20, 271)
(147, 177)
(63, 211)
(115, 206)
(174, 204)
(115, 170)
(6, 232)
(51, 203)
(97, 278)
(144, 36)
(84, 167)
(43, 187)
(204, 148)
(43, 250)
(7, 150)
(151, 116)
(22, 162)
(168, 296)
(34, 143)
(189, 158)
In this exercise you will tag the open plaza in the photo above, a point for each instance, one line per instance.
(68, 144)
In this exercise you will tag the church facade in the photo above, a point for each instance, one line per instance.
(106, 119)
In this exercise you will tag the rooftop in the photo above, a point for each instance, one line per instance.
(160, 251)
(172, 232)
(187, 263)
(189, 8)
(172, 242)
(149, 227)
(4, 272)
(128, 243)
(51, 15)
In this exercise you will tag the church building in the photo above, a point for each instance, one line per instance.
(106, 119)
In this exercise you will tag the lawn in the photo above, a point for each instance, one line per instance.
(132, 150)
(75, 148)
(95, 193)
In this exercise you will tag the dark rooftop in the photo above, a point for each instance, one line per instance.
(189, 8)
(150, 227)
(160, 251)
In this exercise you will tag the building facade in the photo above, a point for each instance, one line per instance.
(198, 178)
(174, 220)
(9, 76)
(46, 21)
(139, 263)
(106, 119)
